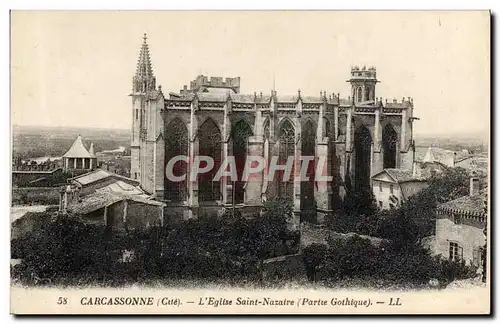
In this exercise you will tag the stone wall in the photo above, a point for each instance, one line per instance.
(35, 195)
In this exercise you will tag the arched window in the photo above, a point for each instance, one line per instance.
(362, 151)
(360, 94)
(267, 133)
(239, 134)
(389, 146)
(209, 145)
(308, 148)
(176, 143)
(286, 149)
(367, 93)
(326, 128)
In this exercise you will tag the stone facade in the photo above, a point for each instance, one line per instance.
(460, 226)
(355, 137)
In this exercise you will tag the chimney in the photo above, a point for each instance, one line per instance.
(474, 186)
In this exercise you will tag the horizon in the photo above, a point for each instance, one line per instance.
(462, 135)
(75, 69)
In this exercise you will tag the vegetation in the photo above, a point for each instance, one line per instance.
(66, 251)
(31, 142)
(412, 220)
(356, 257)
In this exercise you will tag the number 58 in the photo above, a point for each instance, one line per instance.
(62, 301)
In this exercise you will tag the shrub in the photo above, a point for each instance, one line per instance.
(357, 257)
(231, 247)
(314, 256)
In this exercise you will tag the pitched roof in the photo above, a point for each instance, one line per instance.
(400, 175)
(466, 205)
(94, 202)
(219, 90)
(121, 188)
(78, 150)
(97, 175)
(428, 169)
(100, 200)
(91, 177)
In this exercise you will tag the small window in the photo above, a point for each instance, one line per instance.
(456, 251)
(135, 175)
(137, 114)
(457, 219)
(392, 189)
(380, 186)
(360, 94)
(381, 204)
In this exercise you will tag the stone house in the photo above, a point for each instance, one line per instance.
(460, 225)
(393, 186)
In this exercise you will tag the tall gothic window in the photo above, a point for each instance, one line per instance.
(267, 133)
(360, 94)
(209, 145)
(240, 133)
(286, 149)
(326, 129)
(308, 149)
(176, 143)
(389, 145)
(362, 151)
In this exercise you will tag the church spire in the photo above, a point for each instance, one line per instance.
(144, 79)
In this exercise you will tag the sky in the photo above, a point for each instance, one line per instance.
(75, 68)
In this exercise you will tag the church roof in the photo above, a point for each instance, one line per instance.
(78, 150)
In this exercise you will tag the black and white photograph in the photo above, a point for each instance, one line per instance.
(250, 162)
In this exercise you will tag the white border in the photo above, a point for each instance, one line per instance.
(5, 140)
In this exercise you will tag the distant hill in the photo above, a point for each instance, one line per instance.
(476, 143)
(36, 141)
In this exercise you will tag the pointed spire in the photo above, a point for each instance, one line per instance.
(91, 150)
(144, 67)
(144, 80)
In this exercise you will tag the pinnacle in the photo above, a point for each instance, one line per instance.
(144, 67)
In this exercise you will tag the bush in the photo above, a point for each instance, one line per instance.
(229, 247)
(356, 257)
(314, 256)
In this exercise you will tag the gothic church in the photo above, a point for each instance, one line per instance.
(358, 136)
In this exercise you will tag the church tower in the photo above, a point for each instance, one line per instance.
(363, 82)
(147, 144)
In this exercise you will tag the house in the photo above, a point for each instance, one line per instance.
(448, 158)
(393, 186)
(78, 157)
(460, 225)
(92, 181)
(118, 211)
